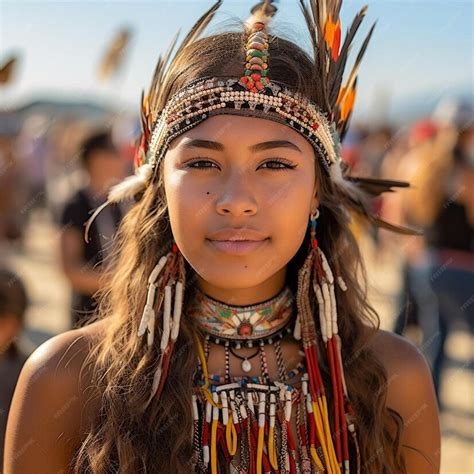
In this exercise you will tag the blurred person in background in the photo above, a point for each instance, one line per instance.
(451, 238)
(374, 149)
(438, 275)
(13, 184)
(82, 260)
(417, 301)
(13, 352)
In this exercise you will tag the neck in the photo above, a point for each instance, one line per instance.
(245, 296)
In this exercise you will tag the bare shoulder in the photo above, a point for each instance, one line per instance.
(61, 358)
(53, 402)
(410, 392)
(407, 369)
(397, 352)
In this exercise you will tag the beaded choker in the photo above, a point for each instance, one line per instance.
(243, 324)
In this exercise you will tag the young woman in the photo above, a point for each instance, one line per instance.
(235, 335)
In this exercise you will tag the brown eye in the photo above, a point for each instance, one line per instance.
(279, 164)
(199, 163)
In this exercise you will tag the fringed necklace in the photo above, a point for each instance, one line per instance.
(258, 424)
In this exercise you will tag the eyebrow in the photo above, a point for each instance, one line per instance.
(211, 145)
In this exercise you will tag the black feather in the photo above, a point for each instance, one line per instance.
(337, 70)
(376, 186)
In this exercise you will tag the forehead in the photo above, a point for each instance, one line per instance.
(239, 131)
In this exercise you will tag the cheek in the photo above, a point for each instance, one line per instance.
(187, 206)
(290, 206)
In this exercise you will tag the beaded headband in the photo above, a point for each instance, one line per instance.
(213, 96)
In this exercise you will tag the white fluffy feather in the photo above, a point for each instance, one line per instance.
(131, 185)
(127, 189)
(263, 13)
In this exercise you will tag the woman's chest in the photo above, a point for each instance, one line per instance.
(254, 413)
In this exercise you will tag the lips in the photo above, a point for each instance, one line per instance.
(236, 247)
(237, 234)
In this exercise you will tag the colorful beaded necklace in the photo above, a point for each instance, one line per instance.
(243, 324)
(245, 422)
(236, 326)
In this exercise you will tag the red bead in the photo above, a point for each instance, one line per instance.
(315, 125)
(256, 77)
(175, 248)
(249, 85)
(259, 85)
(244, 79)
(245, 329)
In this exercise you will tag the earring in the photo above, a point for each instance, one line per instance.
(317, 273)
(313, 222)
(168, 279)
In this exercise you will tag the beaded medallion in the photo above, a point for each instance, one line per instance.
(243, 324)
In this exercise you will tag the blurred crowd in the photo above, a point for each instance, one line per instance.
(436, 156)
(64, 161)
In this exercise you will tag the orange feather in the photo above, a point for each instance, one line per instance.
(342, 91)
(348, 104)
(332, 36)
(336, 41)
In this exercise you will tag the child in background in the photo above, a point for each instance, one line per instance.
(13, 304)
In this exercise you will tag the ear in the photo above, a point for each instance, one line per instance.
(315, 196)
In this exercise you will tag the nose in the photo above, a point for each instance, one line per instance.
(237, 197)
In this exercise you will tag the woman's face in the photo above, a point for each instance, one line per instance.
(246, 178)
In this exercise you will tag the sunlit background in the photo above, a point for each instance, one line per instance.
(71, 67)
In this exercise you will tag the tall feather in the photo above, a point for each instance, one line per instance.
(166, 73)
(312, 16)
(161, 66)
(323, 23)
(337, 71)
(344, 106)
(349, 87)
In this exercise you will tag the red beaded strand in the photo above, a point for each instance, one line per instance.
(342, 408)
(335, 386)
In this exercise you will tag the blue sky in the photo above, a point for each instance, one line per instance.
(418, 47)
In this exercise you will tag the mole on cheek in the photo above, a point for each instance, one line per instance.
(207, 192)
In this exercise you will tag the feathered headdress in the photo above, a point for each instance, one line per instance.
(322, 115)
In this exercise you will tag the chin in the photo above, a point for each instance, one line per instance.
(234, 277)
